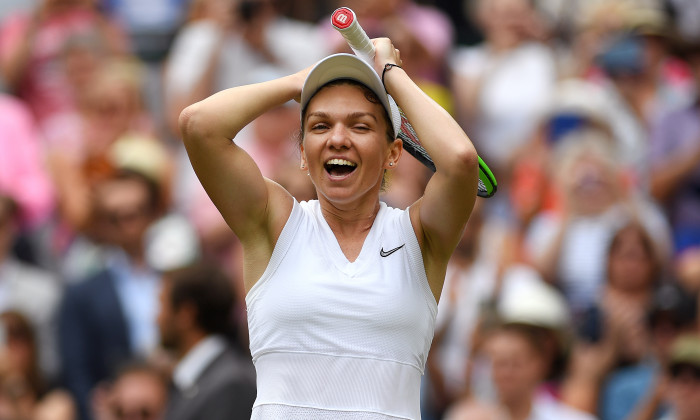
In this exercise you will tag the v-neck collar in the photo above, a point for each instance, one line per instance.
(335, 253)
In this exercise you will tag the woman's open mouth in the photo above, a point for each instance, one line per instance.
(339, 168)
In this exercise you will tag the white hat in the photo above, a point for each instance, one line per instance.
(171, 243)
(527, 299)
(348, 66)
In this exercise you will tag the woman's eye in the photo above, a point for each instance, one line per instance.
(361, 127)
(319, 126)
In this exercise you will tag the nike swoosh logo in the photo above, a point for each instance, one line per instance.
(389, 252)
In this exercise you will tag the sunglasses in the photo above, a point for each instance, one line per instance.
(137, 413)
(118, 218)
(685, 371)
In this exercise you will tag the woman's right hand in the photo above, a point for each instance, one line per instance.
(298, 79)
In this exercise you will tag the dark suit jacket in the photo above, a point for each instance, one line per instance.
(224, 391)
(92, 335)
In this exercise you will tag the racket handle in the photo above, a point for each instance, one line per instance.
(345, 21)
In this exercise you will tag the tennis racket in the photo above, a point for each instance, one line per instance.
(345, 21)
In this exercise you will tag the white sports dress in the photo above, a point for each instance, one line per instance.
(337, 340)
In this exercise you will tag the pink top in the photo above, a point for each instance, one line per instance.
(44, 86)
(22, 174)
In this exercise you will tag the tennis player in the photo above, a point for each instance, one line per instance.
(341, 291)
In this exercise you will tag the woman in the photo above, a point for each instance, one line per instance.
(519, 365)
(341, 291)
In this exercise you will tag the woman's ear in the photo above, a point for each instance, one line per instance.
(395, 150)
(303, 165)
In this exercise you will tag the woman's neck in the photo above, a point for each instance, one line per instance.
(639, 296)
(519, 409)
(349, 220)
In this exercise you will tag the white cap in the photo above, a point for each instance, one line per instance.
(348, 66)
(527, 299)
(171, 243)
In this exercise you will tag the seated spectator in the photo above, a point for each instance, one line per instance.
(675, 163)
(213, 379)
(113, 120)
(640, 390)
(524, 347)
(28, 289)
(683, 390)
(32, 44)
(568, 244)
(633, 272)
(110, 317)
(487, 79)
(138, 392)
(614, 333)
(24, 392)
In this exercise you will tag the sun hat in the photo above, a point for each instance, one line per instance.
(348, 66)
(685, 350)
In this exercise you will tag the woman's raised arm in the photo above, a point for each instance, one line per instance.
(255, 208)
(440, 215)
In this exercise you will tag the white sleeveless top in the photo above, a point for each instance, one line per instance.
(333, 339)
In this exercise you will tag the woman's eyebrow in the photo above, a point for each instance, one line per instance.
(318, 114)
(352, 116)
(358, 115)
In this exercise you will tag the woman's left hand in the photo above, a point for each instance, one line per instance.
(385, 53)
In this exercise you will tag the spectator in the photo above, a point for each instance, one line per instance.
(642, 88)
(684, 379)
(139, 392)
(640, 390)
(519, 366)
(524, 347)
(151, 26)
(487, 80)
(112, 123)
(675, 163)
(568, 245)
(32, 43)
(28, 289)
(110, 317)
(24, 392)
(633, 272)
(614, 332)
(212, 379)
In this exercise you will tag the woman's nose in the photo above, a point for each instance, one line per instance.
(339, 136)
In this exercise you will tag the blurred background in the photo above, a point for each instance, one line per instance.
(572, 295)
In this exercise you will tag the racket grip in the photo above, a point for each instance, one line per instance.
(344, 20)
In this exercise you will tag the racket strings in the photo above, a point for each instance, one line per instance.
(412, 144)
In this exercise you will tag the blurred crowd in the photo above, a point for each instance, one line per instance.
(572, 295)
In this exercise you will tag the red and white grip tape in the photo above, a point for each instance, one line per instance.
(345, 21)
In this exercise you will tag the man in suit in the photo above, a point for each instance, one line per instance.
(110, 317)
(212, 380)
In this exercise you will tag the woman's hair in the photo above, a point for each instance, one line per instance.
(18, 328)
(369, 95)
